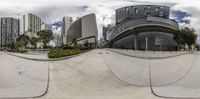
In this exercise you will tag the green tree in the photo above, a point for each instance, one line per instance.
(34, 41)
(86, 44)
(45, 36)
(74, 41)
(187, 36)
(10, 46)
(198, 47)
(179, 39)
(22, 41)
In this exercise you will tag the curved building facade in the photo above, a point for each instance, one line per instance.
(83, 30)
(144, 27)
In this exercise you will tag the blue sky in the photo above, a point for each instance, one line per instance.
(186, 12)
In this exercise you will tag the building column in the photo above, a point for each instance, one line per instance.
(136, 41)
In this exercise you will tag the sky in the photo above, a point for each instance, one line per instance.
(185, 12)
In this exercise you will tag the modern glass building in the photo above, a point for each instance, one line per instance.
(144, 27)
(84, 31)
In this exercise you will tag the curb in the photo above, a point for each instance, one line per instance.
(55, 59)
(151, 57)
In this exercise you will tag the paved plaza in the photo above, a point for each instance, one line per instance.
(22, 78)
(98, 74)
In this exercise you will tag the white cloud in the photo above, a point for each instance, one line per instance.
(53, 10)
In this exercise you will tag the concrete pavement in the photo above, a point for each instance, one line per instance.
(88, 77)
(184, 78)
(105, 74)
(22, 78)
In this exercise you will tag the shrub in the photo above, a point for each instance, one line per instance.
(17, 51)
(57, 53)
(85, 48)
(68, 47)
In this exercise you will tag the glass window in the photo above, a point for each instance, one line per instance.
(118, 21)
(127, 9)
(157, 9)
(118, 11)
(161, 13)
(136, 10)
(145, 11)
(148, 14)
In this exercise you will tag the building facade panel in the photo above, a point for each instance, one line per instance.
(32, 24)
(66, 22)
(156, 40)
(89, 26)
(44, 26)
(84, 30)
(144, 22)
(144, 27)
(141, 11)
(10, 30)
(74, 32)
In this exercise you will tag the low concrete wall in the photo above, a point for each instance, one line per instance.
(149, 54)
